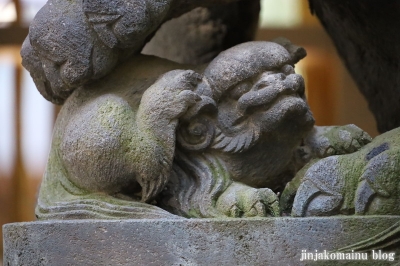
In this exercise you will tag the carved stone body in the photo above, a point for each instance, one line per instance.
(241, 124)
(72, 43)
(364, 182)
(103, 135)
(238, 129)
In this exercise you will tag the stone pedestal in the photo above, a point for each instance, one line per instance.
(258, 241)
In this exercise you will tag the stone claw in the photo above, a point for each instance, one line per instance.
(172, 94)
(189, 97)
(188, 79)
(242, 201)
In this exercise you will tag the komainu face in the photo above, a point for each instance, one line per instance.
(271, 108)
(235, 147)
(257, 121)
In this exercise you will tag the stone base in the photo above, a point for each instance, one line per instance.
(261, 241)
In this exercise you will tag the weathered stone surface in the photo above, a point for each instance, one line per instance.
(363, 182)
(201, 34)
(241, 124)
(238, 125)
(267, 241)
(114, 140)
(72, 43)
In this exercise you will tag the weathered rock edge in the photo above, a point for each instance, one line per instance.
(258, 241)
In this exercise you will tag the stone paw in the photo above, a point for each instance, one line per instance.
(172, 94)
(243, 201)
(350, 139)
(336, 140)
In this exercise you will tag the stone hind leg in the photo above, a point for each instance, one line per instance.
(59, 198)
(321, 192)
(312, 201)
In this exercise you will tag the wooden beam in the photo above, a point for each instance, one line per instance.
(19, 177)
(18, 11)
(13, 35)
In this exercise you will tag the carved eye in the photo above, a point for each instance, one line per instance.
(196, 135)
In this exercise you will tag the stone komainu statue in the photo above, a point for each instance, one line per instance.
(114, 140)
(154, 134)
(143, 137)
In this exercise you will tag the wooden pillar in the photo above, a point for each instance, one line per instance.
(19, 179)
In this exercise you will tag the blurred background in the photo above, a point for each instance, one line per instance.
(26, 118)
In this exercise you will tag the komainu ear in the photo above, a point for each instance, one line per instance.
(296, 52)
(125, 23)
(197, 127)
(102, 25)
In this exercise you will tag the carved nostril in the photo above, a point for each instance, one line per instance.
(288, 69)
(298, 83)
(281, 76)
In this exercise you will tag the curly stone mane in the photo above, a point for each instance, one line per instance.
(195, 184)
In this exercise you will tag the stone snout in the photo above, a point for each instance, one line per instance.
(255, 127)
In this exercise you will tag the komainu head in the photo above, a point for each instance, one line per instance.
(252, 117)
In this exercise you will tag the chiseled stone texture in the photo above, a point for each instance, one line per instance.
(261, 241)
(198, 36)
